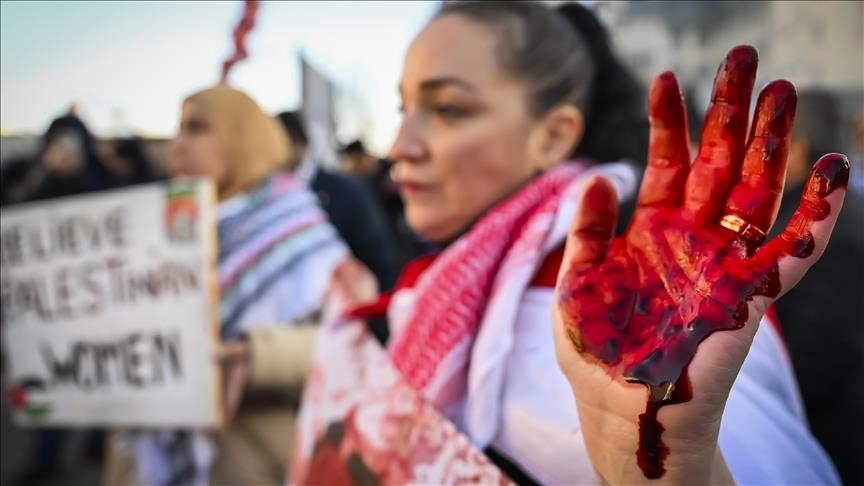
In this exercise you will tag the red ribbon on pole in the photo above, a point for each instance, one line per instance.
(246, 24)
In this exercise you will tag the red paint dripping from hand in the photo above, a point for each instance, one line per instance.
(639, 306)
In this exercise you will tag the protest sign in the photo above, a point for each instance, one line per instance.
(109, 308)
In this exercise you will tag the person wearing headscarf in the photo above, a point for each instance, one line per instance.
(277, 254)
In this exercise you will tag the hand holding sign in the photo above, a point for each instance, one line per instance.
(234, 358)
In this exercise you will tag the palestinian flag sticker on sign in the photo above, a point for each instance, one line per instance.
(181, 212)
(24, 399)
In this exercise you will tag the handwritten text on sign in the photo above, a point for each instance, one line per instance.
(108, 307)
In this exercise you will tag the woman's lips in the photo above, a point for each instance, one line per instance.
(405, 185)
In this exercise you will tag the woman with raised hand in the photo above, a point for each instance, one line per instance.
(670, 371)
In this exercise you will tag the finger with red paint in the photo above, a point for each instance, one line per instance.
(668, 147)
(721, 147)
(806, 235)
(592, 228)
(638, 308)
(756, 197)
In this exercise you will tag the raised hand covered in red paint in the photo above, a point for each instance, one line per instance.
(633, 313)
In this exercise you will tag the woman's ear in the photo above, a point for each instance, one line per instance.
(557, 134)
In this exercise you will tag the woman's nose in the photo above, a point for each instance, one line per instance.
(408, 146)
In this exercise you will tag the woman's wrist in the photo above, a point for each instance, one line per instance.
(690, 452)
(706, 467)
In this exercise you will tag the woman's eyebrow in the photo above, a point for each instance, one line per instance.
(435, 84)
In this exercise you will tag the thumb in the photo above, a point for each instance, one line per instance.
(592, 229)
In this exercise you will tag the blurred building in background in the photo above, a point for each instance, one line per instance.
(811, 43)
(817, 45)
(814, 43)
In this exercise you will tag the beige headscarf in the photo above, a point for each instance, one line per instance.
(254, 143)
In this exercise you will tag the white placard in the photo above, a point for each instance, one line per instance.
(109, 308)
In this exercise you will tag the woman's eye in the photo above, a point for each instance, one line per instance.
(196, 127)
(450, 112)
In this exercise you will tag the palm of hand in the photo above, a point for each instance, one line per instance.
(640, 305)
(661, 289)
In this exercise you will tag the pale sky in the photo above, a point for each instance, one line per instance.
(128, 65)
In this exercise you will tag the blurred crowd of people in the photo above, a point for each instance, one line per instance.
(71, 161)
(359, 199)
(253, 156)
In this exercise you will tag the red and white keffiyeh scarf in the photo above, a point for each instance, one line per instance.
(432, 348)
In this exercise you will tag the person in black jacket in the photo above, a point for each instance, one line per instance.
(375, 173)
(66, 165)
(349, 204)
(128, 162)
